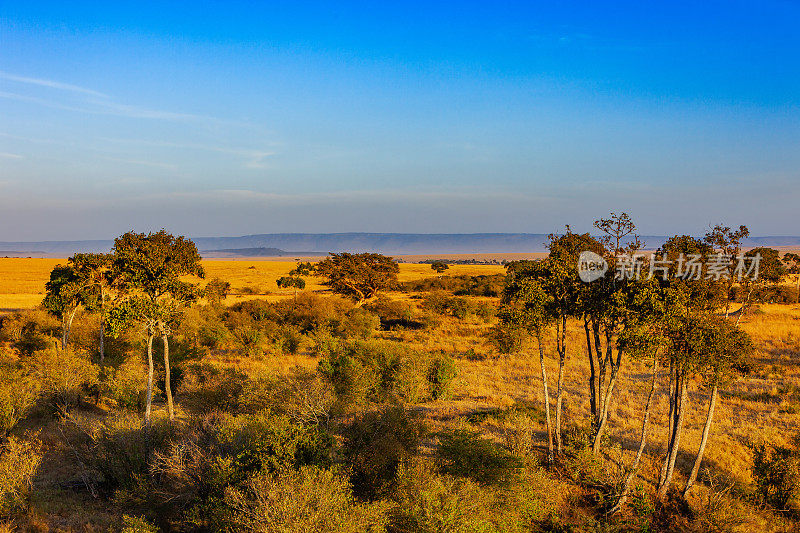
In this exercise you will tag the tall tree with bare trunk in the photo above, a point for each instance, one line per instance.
(150, 268)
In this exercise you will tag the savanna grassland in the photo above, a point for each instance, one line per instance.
(297, 410)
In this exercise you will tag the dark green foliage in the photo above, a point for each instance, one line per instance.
(487, 285)
(776, 472)
(358, 276)
(30, 331)
(458, 306)
(466, 454)
(768, 294)
(359, 323)
(362, 372)
(441, 372)
(439, 266)
(507, 338)
(376, 444)
(118, 450)
(216, 291)
(207, 387)
(264, 442)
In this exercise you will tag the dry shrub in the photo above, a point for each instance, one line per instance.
(776, 472)
(311, 500)
(375, 371)
(207, 387)
(518, 436)
(376, 444)
(64, 376)
(18, 394)
(19, 462)
(430, 503)
(303, 395)
(126, 383)
(31, 330)
(465, 453)
(135, 524)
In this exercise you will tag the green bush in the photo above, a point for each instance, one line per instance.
(359, 323)
(465, 453)
(776, 472)
(303, 395)
(31, 331)
(311, 500)
(245, 332)
(393, 314)
(506, 339)
(206, 387)
(18, 395)
(441, 373)
(19, 462)
(376, 444)
(378, 371)
(64, 376)
(133, 524)
(289, 339)
(126, 383)
(118, 450)
(430, 503)
(264, 442)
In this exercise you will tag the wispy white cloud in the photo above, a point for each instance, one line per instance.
(51, 84)
(7, 155)
(154, 164)
(253, 158)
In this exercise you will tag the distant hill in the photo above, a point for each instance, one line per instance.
(256, 252)
(275, 244)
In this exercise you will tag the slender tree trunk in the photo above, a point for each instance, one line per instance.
(744, 305)
(102, 326)
(562, 355)
(149, 379)
(626, 485)
(167, 387)
(606, 399)
(602, 360)
(671, 423)
(798, 288)
(102, 340)
(699, 459)
(67, 328)
(680, 410)
(546, 402)
(592, 371)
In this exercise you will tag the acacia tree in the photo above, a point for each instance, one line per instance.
(528, 305)
(565, 288)
(643, 338)
(150, 268)
(770, 270)
(605, 305)
(64, 294)
(700, 344)
(727, 243)
(95, 271)
(792, 262)
(725, 351)
(295, 278)
(358, 276)
(439, 266)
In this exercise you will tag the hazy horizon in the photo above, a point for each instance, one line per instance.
(235, 119)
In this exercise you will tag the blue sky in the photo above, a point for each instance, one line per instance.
(225, 118)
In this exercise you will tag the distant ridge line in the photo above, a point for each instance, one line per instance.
(322, 243)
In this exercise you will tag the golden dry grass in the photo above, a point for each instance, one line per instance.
(22, 280)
